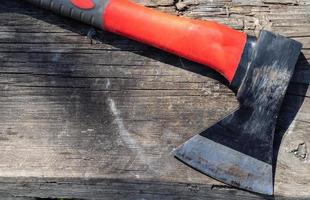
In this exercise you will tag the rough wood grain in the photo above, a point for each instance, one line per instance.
(90, 115)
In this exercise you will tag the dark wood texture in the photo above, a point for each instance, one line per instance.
(86, 114)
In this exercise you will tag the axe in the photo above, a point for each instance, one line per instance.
(238, 149)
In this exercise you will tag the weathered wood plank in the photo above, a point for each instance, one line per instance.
(98, 117)
(118, 189)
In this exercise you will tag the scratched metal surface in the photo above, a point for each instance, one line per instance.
(238, 150)
(83, 118)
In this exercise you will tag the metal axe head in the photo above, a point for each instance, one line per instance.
(238, 149)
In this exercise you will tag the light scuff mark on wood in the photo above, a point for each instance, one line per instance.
(301, 151)
(182, 6)
(124, 133)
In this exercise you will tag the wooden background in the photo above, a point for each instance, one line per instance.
(86, 114)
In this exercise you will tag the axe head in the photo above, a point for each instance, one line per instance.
(238, 149)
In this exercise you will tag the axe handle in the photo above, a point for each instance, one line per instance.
(208, 43)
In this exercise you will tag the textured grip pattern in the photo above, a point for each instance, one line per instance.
(66, 8)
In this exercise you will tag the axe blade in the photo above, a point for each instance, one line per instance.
(238, 149)
(227, 165)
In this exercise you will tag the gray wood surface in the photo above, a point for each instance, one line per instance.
(86, 114)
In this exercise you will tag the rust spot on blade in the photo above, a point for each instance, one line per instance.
(202, 160)
(234, 170)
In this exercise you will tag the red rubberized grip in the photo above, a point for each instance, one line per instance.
(83, 4)
(205, 42)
